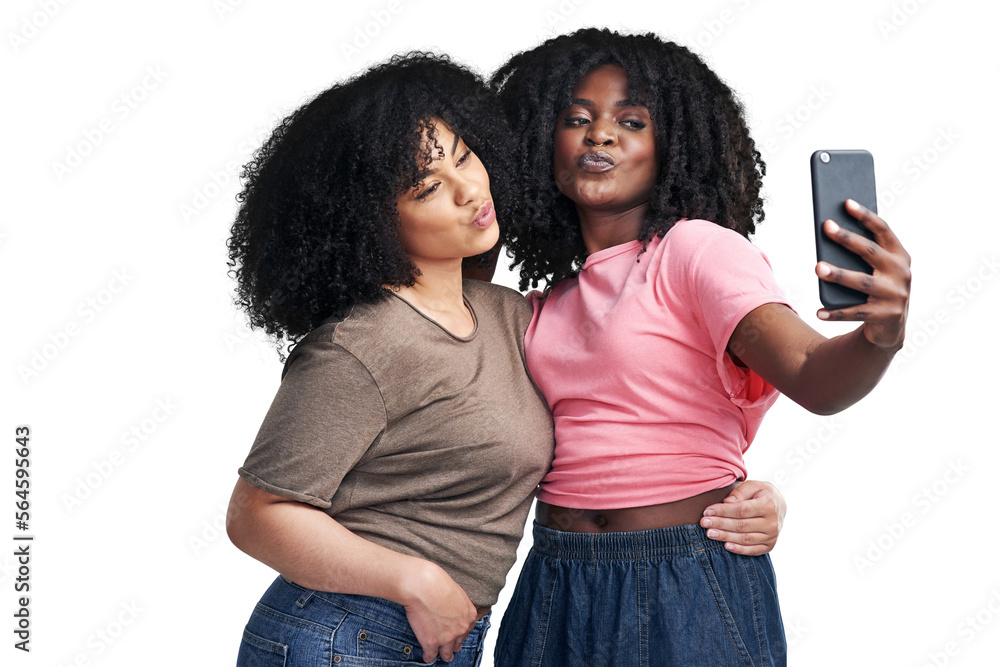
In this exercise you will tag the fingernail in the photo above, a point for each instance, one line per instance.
(823, 315)
(833, 226)
(852, 203)
(713, 533)
(709, 512)
(706, 523)
(822, 269)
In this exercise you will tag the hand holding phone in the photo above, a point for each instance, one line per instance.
(847, 229)
(836, 177)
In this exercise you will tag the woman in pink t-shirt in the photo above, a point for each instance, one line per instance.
(659, 346)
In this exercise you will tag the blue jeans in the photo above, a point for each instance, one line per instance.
(669, 596)
(294, 627)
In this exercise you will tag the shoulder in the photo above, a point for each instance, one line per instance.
(691, 244)
(692, 237)
(318, 354)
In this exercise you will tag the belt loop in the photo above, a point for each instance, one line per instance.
(304, 598)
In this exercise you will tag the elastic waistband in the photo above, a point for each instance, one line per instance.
(658, 543)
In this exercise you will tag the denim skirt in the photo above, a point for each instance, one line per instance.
(294, 626)
(652, 598)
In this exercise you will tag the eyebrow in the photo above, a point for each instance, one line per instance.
(424, 173)
(619, 103)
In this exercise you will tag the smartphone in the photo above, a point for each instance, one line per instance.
(839, 175)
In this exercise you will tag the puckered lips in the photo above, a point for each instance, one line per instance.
(595, 161)
(485, 217)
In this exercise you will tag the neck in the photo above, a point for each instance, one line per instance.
(437, 290)
(604, 229)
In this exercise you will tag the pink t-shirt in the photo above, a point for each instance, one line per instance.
(631, 357)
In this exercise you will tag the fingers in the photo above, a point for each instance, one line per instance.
(884, 253)
(430, 653)
(887, 287)
(748, 489)
(875, 224)
(738, 508)
(857, 280)
(866, 248)
(743, 542)
(748, 527)
(756, 524)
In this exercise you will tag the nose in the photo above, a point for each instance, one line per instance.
(468, 189)
(600, 133)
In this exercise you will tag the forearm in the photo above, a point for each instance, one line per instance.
(823, 375)
(309, 547)
(840, 371)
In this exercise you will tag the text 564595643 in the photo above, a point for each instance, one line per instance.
(22, 540)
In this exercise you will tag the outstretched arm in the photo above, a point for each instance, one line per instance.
(824, 375)
(312, 549)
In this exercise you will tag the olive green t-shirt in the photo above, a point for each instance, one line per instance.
(423, 442)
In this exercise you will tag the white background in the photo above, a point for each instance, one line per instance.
(117, 303)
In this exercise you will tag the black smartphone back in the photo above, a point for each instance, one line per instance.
(839, 175)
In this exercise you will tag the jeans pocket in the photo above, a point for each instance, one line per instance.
(375, 642)
(724, 602)
(260, 652)
(525, 624)
(361, 640)
(272, 637)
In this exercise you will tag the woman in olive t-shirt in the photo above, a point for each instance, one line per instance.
(404, 410)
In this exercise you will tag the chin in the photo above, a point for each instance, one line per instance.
(593, 199)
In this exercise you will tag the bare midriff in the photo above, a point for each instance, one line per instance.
(629, 519)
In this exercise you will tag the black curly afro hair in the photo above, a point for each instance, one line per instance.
(709, 166)
(317, 227)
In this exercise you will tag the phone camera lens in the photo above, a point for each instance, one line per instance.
(824, 157)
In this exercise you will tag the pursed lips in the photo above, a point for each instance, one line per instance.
(595, 161)
(484, 216)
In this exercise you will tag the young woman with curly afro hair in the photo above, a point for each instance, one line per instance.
(659, 343)
(391, 479)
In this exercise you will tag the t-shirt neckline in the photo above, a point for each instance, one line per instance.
(461, 339)
(613, 251)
